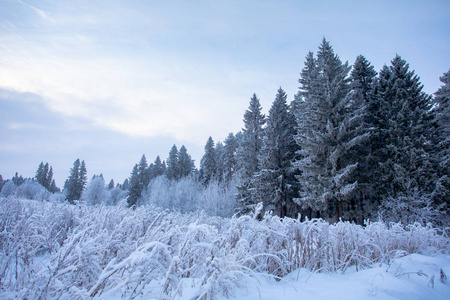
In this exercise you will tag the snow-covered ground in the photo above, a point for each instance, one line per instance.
(411, 277)
(60, 251)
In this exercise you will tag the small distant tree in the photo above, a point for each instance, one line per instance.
(111, 184)
(44, 176)
(173, 170)
(158, 168)
(74, 185)
(185, 162)
(135, 187)
(18, 179)
(125, 185)
(229, 157)
(208, 166)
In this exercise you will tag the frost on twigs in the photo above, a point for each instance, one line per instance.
(50, 250)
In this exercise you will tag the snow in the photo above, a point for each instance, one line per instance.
(60, 251)
(408, 277)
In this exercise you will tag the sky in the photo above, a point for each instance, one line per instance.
(109, 81)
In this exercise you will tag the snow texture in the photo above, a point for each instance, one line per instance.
(62, 251)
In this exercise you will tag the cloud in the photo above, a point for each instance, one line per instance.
(134, 82)
(38, 11)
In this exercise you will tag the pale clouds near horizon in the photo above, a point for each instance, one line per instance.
(185, 70)
(114, 74)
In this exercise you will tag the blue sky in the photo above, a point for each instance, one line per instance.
(108, 81)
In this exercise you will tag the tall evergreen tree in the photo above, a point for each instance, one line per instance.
(135, 187)
(82, 180)
(275, 184)
(248, 152)
(76, 182)
(404, 133)
(44, 175)
(173, 171)
(363, 82)
(220, 166)
(2, 182)
(229, 157)
(208, 167)
(185, 162)
(143, 173)
(441, 194)
(49, 179)
(157, 168)
(327, 122)
(40, 176)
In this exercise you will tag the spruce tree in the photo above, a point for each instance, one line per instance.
(76, 182)
(208, 167)
(220, 167)
(173, 171)
(249, 151)
(275, 184)
(229, 157)
(143, 173)
(441, 193)
(111, 184)
(2, 182)
(159, 167)
(327, 131)
(18, 179)
(404, 133)
(54, 188)
(363, 82)
(135, 187)
(49, 179)
(40, 176)
(82, 180)
(185, 163)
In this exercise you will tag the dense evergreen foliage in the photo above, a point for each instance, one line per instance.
(75, 184)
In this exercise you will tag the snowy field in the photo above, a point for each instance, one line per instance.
(61, 251)
(411, 277)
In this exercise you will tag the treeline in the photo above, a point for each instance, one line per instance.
(353, 144)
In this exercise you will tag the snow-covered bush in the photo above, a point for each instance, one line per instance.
(188, 195)
(32, 190)
(96, 193)
(117, 194)
(218, 199)
(53, 250)
(9, 188)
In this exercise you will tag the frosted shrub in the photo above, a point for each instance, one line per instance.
(51, 250)
(117, 194)
(96, 193)
(33, 190)
(8, 189)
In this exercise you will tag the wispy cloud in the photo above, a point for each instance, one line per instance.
(38, 11)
